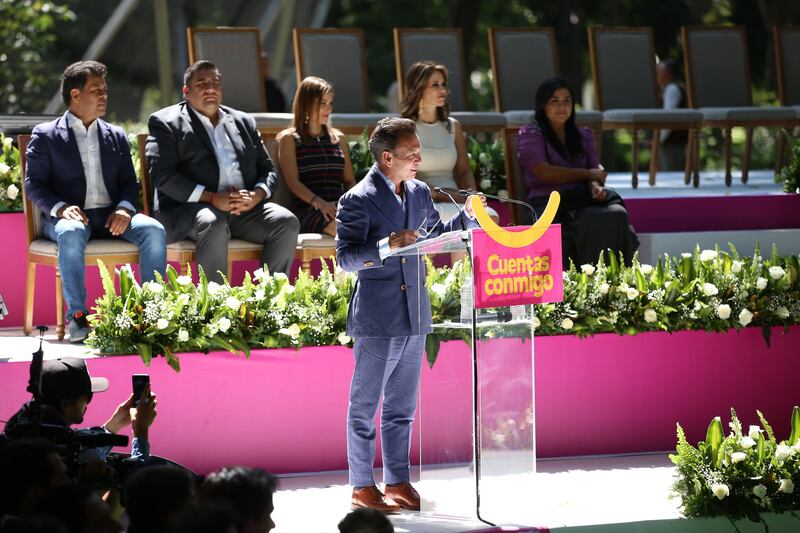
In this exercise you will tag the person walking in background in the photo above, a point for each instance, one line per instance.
(673, 96)
(213, 177)
(445, 162)
(314, 158)
(555, 155)
(80, 175)
(276, 101)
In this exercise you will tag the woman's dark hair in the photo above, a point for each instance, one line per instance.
(307, 100)
(572, 136)
(417, 79)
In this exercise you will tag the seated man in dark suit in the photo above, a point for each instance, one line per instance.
(213, 177)
(81, 176)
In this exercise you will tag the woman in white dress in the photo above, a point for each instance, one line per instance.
(445, 162)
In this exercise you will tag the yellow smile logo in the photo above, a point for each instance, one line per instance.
(516, 239)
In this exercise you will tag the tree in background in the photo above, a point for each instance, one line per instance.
(26, 37)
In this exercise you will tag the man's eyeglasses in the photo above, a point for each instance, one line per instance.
(422, 231)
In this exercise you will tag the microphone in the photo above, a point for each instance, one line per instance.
(463, 192)
(458, 207)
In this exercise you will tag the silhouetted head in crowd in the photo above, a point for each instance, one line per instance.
(312, 107)
(155, 496)
(365, 521)
(207, 516)
(425, 86)
(29, 469)
(555, 114)
(80, 510)
(250, 492)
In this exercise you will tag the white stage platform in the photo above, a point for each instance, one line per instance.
(629, 493)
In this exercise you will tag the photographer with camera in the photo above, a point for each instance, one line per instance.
(66, 391)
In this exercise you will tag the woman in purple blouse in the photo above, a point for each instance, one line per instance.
(557, 156)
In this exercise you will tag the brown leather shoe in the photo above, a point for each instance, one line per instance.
(372, 498)
(404, 494)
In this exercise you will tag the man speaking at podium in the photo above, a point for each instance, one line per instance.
(389, 314)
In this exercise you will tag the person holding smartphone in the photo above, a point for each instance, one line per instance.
(67, 391)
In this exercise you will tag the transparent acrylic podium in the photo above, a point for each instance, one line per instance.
(481, 472)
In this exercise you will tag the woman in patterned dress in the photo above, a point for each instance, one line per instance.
(314, 158)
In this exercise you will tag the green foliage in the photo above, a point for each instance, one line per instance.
(708, 290)
(173, 315)
(26, 36)
(360, 155)
(10, 183)
(488, 162)
(790, 174)
(739, 475)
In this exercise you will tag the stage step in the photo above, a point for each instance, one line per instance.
(654, 245)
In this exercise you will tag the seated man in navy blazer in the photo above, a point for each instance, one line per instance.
(80, 175)
(389, 314)
(213, 177)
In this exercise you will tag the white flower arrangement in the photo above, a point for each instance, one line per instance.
(720, 490)
(745, 317)
(232, 303)
(776, 272)
(708, 255)
(747, 442)
(677, 294)
(709, 289)
(738, 457)
(737, 475)
(10, 179)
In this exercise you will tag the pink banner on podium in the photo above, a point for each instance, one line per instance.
(517, 276)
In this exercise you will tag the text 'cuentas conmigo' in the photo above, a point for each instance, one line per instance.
(530, 276)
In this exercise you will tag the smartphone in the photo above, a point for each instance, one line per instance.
(140, 382)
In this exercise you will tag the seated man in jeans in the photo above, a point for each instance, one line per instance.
(80, 175)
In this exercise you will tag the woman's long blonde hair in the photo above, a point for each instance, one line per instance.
(417, 79)
(306, 103)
